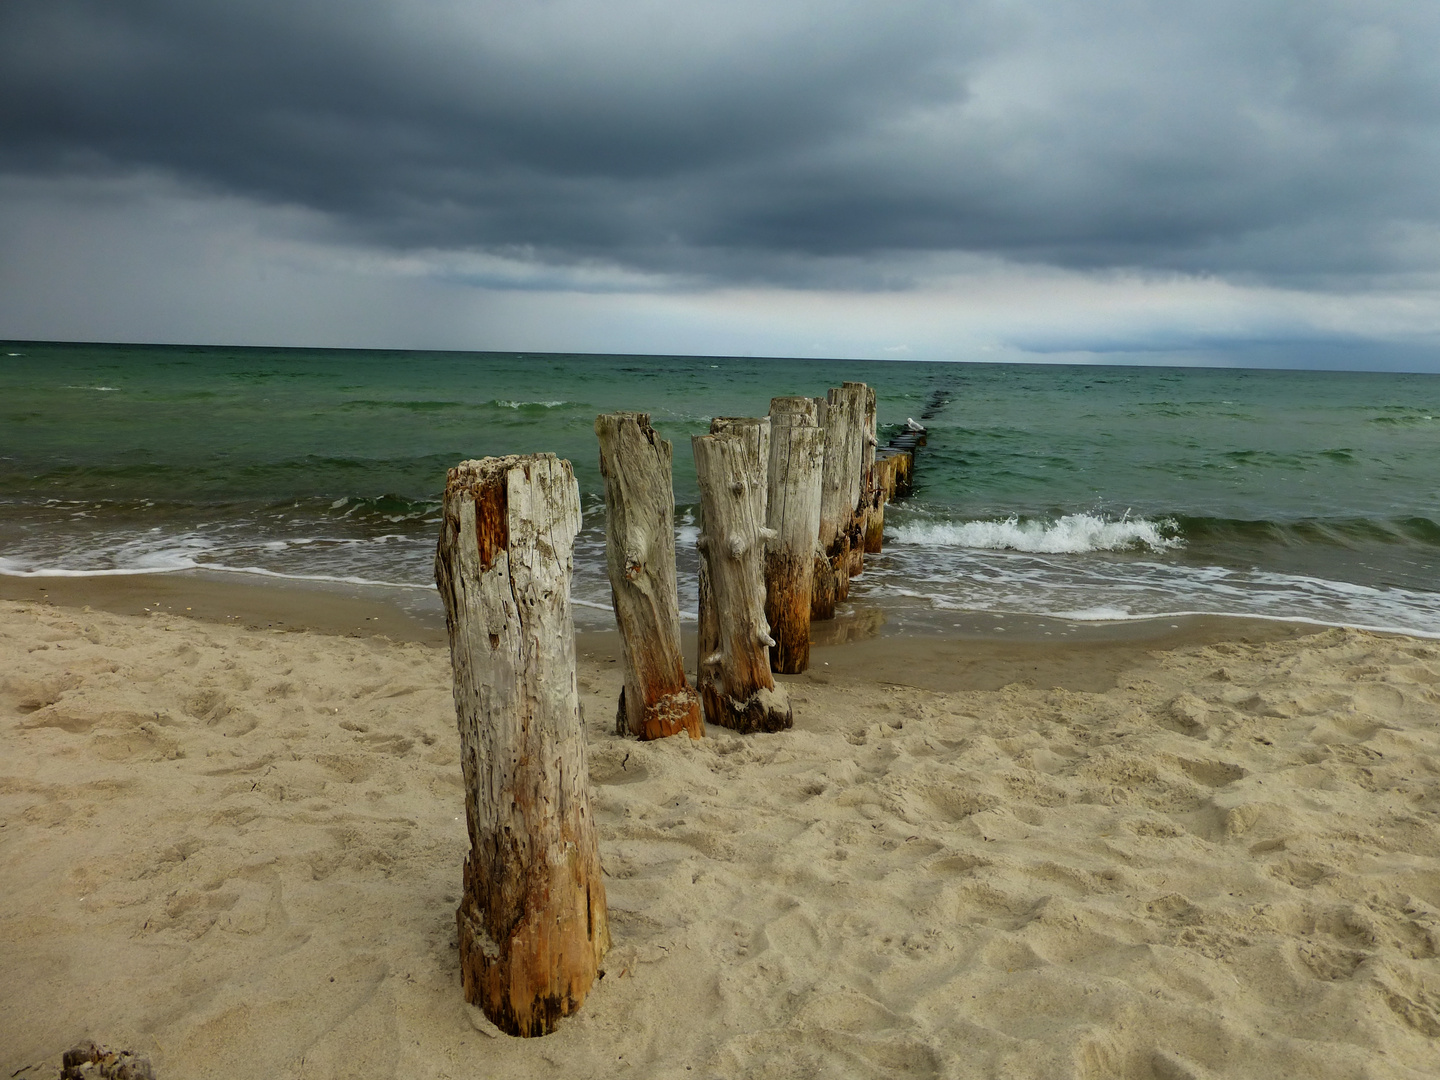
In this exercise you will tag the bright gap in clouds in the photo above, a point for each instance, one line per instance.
(145, 259)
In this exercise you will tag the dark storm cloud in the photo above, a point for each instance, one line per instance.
(1283, 140)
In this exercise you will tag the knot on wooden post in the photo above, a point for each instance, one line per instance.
(532, 925)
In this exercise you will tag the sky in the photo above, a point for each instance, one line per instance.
(1248, 182)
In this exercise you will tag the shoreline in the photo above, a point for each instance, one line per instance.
(340, 609)
(985, 652)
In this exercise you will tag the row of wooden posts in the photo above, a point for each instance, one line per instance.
(790, 503)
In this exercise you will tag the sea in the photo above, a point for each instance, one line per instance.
(1080, 493)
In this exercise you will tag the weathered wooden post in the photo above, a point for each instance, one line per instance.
(754, 432)
(797, 458)
(532, 922)
(905, 474)
(860, 531)
(885, 472)
(734, 677)
(843, 420)
(635, 464)
(822, 576)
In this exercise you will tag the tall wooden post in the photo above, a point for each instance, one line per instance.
(655, 701)
(734, 675)
(533, 925)
(822, 576)
(843, 419)
(797, 458)
(860, 530)
(754, 433)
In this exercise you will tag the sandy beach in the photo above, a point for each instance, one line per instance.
(231, 839)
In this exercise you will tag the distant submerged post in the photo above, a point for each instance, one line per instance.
(533, 924)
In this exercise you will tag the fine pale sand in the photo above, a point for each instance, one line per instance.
(237, 849)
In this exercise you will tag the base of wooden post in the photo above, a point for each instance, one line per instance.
(824, 589)
(789, 599)
(515, 997)
(765, 709)
(875, 524)
(670, 715)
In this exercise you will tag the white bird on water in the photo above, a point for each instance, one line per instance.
(912, 425)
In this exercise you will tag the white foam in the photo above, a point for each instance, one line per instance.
(1112, 590)
(525, 404)
(144, 554)
(9, 570)
(334, 579)
(1104, 613)
(1072, 534)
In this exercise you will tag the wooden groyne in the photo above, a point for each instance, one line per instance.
(786, 516)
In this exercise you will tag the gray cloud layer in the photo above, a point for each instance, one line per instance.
(1283, 141)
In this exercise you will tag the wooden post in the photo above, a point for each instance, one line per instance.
(797, 458)
(886, 470)
(843, 418)
(532, 922)
(734, 675)
(904, 474)
(860, 531)
(655, 701)
(754, 432)
(822, 576)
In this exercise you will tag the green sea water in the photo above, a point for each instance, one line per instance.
(1085, 492)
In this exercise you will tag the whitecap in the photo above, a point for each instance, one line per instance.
(1068, 535)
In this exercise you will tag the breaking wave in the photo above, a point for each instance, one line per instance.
(1070, 534)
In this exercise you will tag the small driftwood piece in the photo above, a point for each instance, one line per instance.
(90, 1062)
(843, 418)
(656, 700)
(860, 528)
(532, 922)
(797, 458)
(734, 674)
